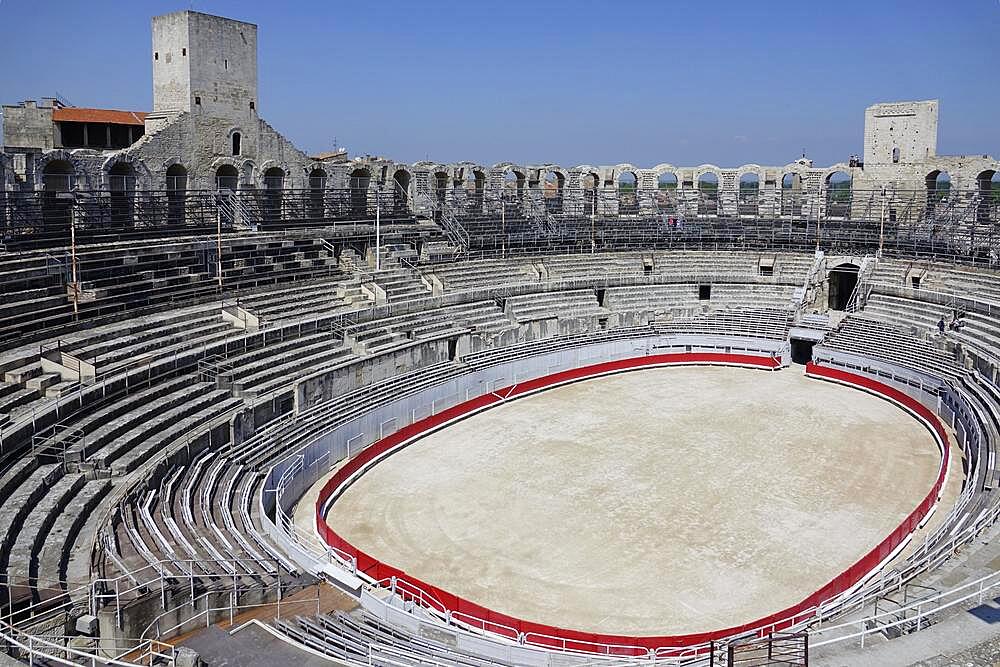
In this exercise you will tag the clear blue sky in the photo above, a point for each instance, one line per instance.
(580, 82)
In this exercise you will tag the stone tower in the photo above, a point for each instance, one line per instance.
(205, 65)
(901, 132)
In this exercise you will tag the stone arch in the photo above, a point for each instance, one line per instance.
(751, 169)
(317, 177)
(664, 168)
(667, 180)
(471, 179)
(937, 185)
(80, 178)
(703, 169)
(837, 183)
(120, 176)
(553, 188)
(227, 176)
(986, 180)
(441, 183)
(988, 187)
(360, 170)
(937, 181)
(630, 171)
(57, 175)
(269, 166)
(479, 177)
(176, 160)
(791, 190)
(359, 180)
(627, 186)
(138, 168)
(588, 183)
(514, 179)
(791, 180)
(402, 183)
(749, 182)
(708, 183)
(561, 175)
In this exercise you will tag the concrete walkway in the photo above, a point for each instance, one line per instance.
(968, 637)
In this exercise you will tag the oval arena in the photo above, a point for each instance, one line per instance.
(675, 514)
(262, 407)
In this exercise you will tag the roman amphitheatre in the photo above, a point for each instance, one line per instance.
(260, 406)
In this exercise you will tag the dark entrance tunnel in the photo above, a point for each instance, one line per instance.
(842, 281)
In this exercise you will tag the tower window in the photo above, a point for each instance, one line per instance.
(252, 107)
(895, 155)
(197, 100)
(184, 52)
(156, 55)
(236, 143)
(226, 62)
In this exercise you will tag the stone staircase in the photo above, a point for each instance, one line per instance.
(396, 280)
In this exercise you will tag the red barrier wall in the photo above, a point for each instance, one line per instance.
(475, 615)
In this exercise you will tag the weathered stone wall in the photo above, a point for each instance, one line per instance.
(28, 126)
(205, 64)
(171, 63)
(901, 132)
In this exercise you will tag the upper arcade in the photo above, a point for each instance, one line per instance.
(204, 133)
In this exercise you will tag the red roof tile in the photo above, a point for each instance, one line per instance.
(79, 115)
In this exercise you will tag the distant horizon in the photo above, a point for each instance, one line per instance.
(656, 84)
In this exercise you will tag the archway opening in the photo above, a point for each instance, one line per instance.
(358, 182)
(666, 181)
(802, 350)
(121, 184)
(591, 182)
(628, 196)
(513, 182)
(475, 190)
(552, 191)
(227, 178)
(57, 177)
(512, 193)
(274, 182)
(401, 190)
(441, 185)
(838, 195)
(666, 192)
(791, 194)
(317, 193)
(938, 185)
(749, 193)
(708, 193)
(842, 280)
(177, 178)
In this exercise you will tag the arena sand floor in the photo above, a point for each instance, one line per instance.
(659, 501)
